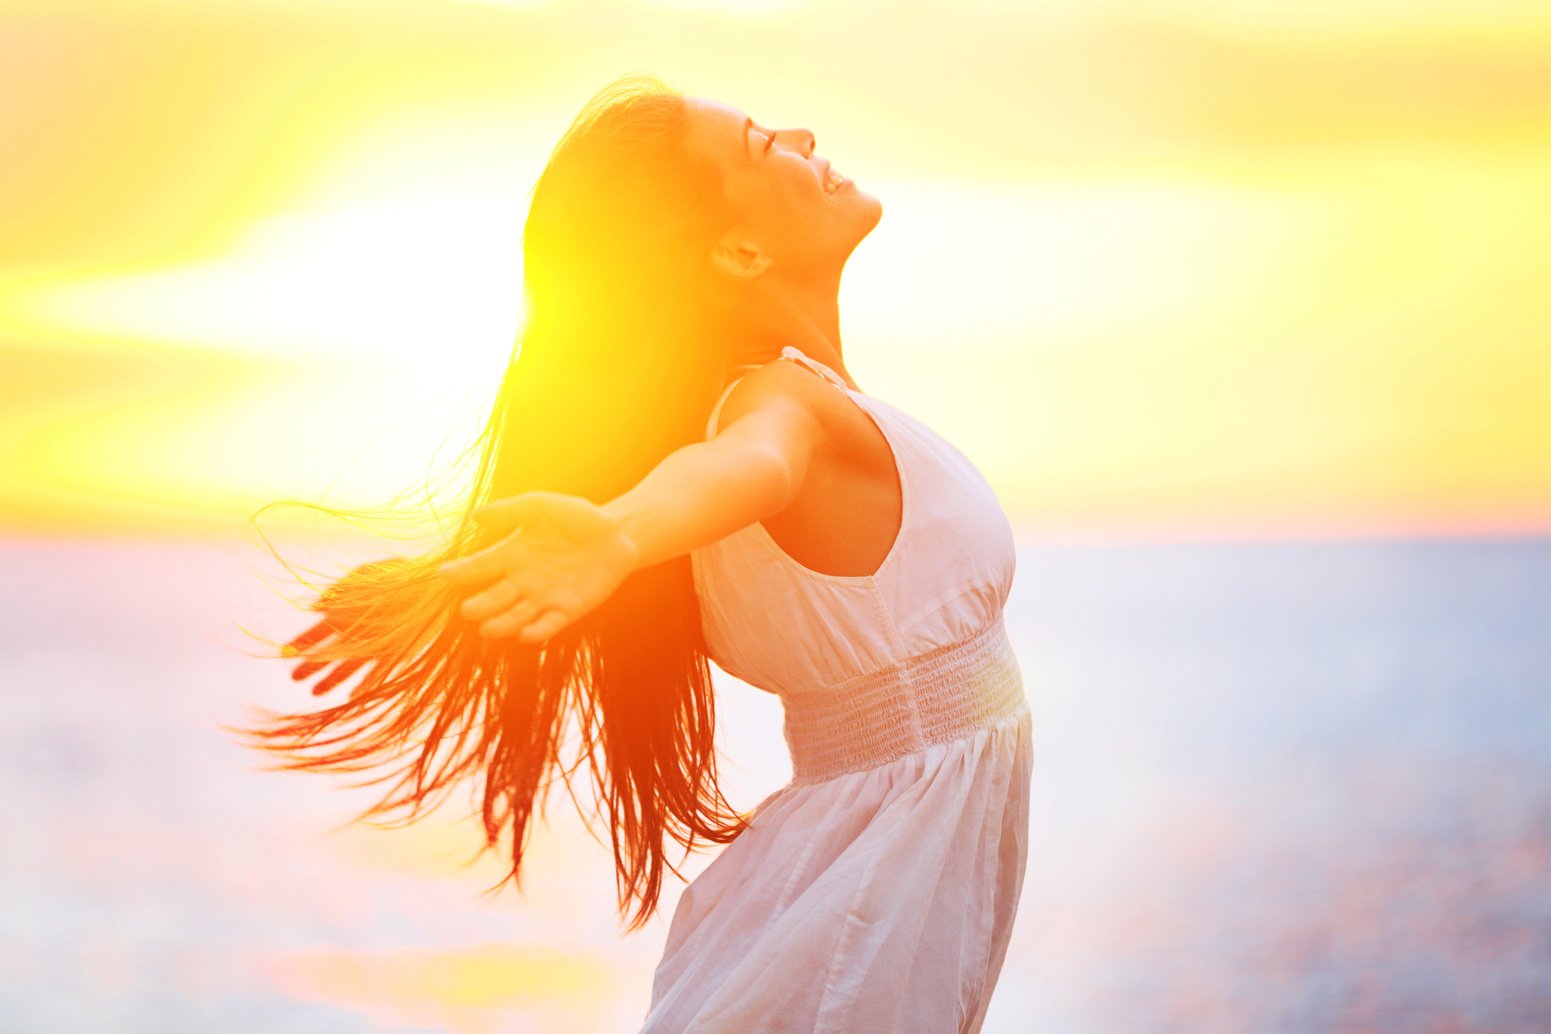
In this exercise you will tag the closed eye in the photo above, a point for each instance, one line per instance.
(769, 141)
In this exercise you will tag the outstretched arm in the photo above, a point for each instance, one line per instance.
(565, 555)
(708, 490)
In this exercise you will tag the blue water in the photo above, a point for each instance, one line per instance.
(1278, 787)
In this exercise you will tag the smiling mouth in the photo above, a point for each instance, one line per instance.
(833, 181)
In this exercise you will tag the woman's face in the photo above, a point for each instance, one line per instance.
(793, 218)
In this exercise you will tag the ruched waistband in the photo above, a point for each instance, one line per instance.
(943, 694)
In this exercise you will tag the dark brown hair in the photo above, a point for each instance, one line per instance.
(617, 364)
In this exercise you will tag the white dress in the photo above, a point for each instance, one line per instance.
(875, 892)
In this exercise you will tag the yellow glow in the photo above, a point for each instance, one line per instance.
(469, 990)
(1212, 266)
(346, 281)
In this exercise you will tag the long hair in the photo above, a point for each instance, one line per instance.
(617, 364)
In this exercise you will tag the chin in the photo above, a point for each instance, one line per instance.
(869, 216)
(876, 207)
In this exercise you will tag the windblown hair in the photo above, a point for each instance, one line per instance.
(616, 365)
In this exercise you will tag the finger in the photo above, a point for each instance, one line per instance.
(307, 669)
(492, 601)
(338, 675)
(476, 567)
(511, 622)
(544, 628)
(505, 514)
(318, 631)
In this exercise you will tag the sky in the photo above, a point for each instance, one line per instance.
(1158, 268)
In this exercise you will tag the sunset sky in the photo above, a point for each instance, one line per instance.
(1157, 267)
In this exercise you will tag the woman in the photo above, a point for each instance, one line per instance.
(680, 468)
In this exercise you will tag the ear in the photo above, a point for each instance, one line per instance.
(739, 258)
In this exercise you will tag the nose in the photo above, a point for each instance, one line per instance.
(807, 140)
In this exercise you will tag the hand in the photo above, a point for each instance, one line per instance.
(338, 618)
(563, 557)
(345, 667)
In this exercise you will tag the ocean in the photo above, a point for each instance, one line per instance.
(1280, 787)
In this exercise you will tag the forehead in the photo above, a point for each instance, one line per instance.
(718, 127)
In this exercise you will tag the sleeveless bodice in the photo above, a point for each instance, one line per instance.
(870, 667)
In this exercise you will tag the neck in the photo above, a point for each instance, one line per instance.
(805, 314)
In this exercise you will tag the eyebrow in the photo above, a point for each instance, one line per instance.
(748, 123)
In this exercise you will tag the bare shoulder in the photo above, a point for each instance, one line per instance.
(785, 389)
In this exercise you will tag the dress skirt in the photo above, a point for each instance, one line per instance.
(879, 900)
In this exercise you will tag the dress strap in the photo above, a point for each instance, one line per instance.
(801, 358)
(789, 352)
(716, 410)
